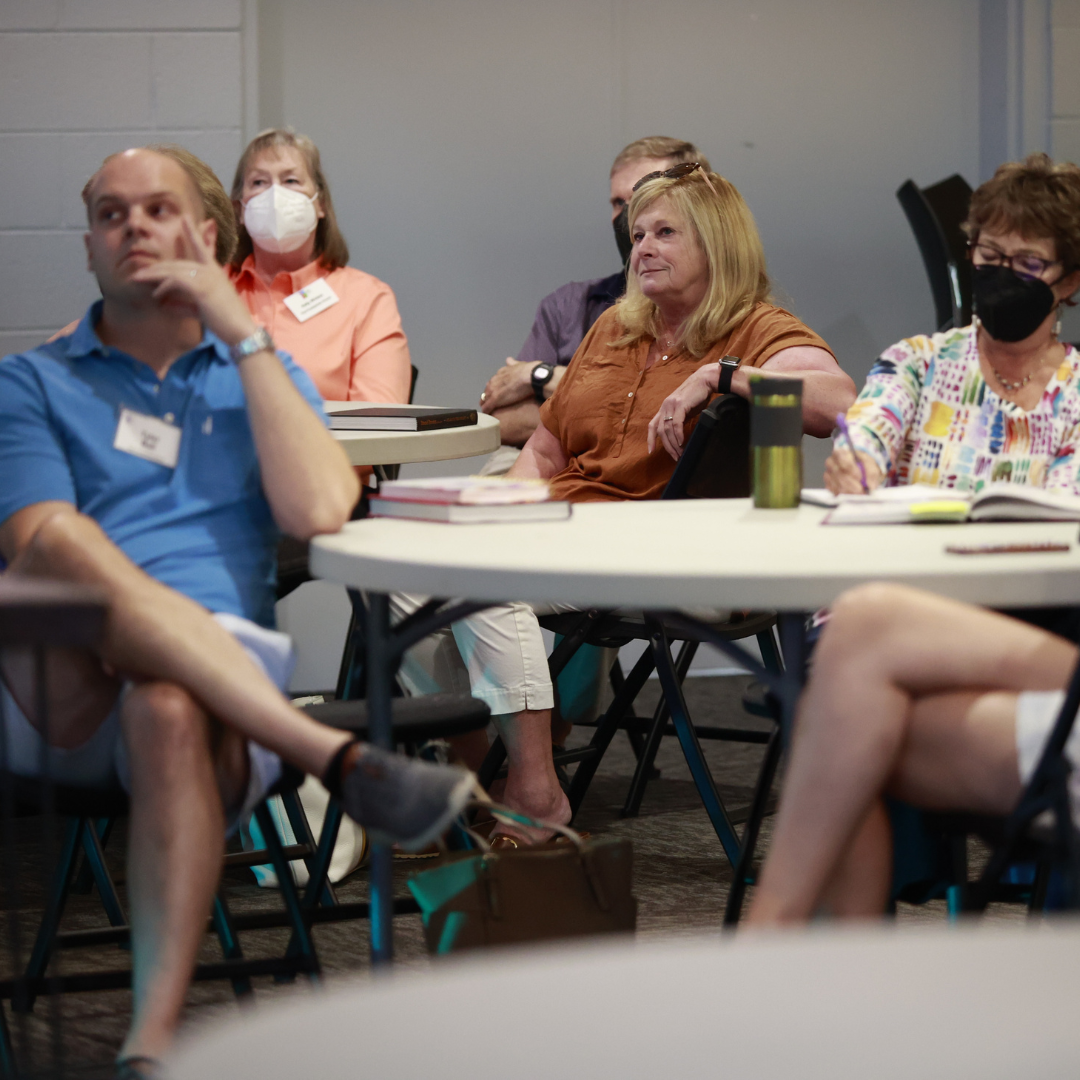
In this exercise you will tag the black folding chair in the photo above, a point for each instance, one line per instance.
(935, 214)
(715, 464)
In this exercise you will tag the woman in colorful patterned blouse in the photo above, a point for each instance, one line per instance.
(998, 400)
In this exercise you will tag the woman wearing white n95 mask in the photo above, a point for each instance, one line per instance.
(340, 324)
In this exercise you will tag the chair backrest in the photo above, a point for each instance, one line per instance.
(412, 381)
(715, 463)
(935, 214)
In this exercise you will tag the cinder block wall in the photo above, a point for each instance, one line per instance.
(80, 79)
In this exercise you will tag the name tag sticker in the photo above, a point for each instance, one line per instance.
(311, 299)
(148, 437)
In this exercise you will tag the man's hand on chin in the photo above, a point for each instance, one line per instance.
(199, 285)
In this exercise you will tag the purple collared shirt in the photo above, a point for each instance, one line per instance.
(566, 316)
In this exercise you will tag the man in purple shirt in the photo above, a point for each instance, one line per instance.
(516, 391)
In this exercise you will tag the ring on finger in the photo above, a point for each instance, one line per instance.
(483, 396)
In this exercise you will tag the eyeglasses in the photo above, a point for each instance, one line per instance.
(676, 172)
(1024, 264)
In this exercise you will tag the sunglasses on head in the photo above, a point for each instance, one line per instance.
(676, 172)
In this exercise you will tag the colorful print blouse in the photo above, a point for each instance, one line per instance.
(927, 416)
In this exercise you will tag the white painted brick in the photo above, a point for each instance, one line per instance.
(43, 280)
(29, 14)
(1065, 13)
(13, 341)
(56, 82)
(197, 80)
(30, 181)
(149, 14)
(80, 156)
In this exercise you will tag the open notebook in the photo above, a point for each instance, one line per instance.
(920, 502)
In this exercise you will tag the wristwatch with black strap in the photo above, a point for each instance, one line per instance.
(728, 366)
(541, 376)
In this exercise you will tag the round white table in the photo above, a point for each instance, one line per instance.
(671, 556)
(696, 553)
(408, 447)
(937, 1004)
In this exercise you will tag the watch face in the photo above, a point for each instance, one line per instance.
(543, 371)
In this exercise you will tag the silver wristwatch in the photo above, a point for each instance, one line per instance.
(258, 342)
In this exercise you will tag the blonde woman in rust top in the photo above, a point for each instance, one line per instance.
(618, 421)
(697, 291)
(339, 324)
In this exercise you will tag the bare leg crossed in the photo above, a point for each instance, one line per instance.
(187, 773)
(910, 695)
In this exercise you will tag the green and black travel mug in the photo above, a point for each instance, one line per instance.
(776, 431)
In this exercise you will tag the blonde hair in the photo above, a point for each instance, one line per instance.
(330, 247)
(659, 148)
(216, 205)
(724, 228)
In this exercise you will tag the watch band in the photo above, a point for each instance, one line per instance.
(727, 365)
(260, 341)
(538, 384)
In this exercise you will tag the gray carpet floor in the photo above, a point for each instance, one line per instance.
(681, 880)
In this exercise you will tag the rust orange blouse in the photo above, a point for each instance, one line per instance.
(601, 410)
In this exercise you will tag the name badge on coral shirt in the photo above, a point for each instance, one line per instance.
(148, 437)
(311, 299)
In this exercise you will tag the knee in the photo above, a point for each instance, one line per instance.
(162, 720)
(862, 617)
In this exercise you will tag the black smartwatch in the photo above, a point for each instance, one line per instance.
(728, 366)
(541, 376)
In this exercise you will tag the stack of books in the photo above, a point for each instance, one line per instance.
(468, 500)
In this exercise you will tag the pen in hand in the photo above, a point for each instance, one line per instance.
(841, 423)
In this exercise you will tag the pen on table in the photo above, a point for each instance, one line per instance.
(841, 423)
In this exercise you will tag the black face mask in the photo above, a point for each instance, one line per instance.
(621, 225)
(1009, 306)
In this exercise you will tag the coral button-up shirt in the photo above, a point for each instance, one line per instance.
(354, 350)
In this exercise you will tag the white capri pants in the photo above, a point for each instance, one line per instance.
(1036, 711)
(102, 760)
(497, 655)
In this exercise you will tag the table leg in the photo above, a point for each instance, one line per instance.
(793, 645)
(380, 668)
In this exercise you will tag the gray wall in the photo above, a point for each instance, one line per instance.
(468, 145)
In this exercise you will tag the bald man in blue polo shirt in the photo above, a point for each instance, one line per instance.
(156, 452)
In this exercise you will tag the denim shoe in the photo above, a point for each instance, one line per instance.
(402, 800)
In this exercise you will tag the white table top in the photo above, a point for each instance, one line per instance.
(696, 554)
(934, 1003)
(405, 447)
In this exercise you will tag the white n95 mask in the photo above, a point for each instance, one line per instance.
(280, 220)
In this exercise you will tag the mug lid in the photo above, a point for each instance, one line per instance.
(768, 386)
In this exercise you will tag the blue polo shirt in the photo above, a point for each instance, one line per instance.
(204, 527)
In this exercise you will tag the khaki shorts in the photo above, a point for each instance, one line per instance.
(102, 761)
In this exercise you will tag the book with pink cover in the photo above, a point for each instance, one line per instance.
(466, 490)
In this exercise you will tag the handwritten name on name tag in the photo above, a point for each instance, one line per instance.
(147, 437)
(311, 299)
